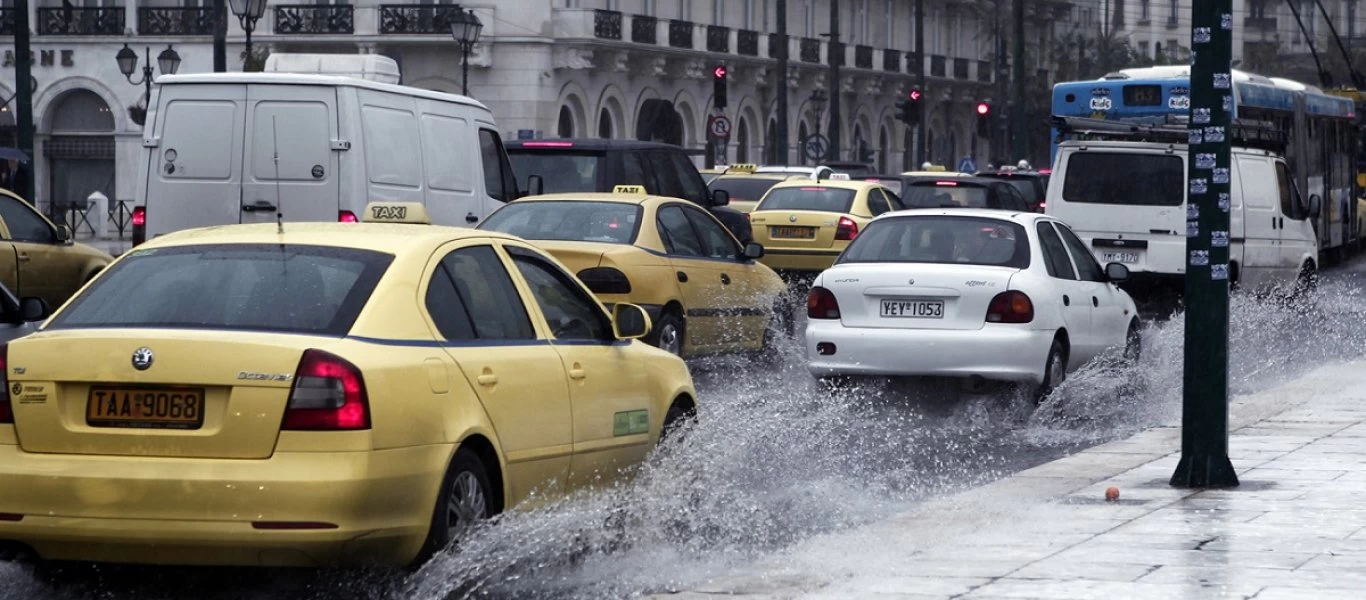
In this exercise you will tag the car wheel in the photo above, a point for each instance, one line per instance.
(668, 334)
(1133, 343)
(1054, 371)
(461, 503)
(676, 421)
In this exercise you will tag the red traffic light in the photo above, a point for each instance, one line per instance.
(915, 95)
(719, 72)
(983, 108)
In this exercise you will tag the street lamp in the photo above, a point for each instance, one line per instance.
(168, 61)
(248, 12)
(818, 101)
(465, 28)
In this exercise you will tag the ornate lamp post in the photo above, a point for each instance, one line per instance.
(465, 28)
(168, 61)
(248, 12)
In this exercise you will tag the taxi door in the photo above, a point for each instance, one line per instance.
(609, 393)
(701, 280)
(475, 307)
(42, 266)
(744, 310)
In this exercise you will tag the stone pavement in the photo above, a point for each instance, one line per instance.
(1295, 528)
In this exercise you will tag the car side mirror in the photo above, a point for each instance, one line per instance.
(754, 251)
(1117, 272)
(63, 234)
(1315, 206)
(629, 322)
(535, 186)
(33, 309)
(720, 197)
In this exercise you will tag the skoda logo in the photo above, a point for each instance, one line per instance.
(792, 218)
(142, 358)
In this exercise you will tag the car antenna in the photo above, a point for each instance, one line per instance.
(275, 148)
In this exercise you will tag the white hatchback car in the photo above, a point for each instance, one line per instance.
(967, 293)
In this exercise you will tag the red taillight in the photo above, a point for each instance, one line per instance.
(821, 304)
(328, 395)
(547, 144)
(346, 216)
(1010, 307)
(847, 229)
(946, 183)
(139, 216)
(6, 409)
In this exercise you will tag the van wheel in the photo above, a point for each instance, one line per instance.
(668, 333)
(461, 503)
(1054, 371)
(1133, 343)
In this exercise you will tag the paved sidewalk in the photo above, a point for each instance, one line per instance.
(1296, 528)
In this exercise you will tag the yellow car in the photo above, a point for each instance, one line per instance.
(38, 258)
(334, 393)
(745, 189)
(704, 291)
(805, 225)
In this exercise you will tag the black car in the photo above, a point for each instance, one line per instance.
(961, 192)
(850, 167)
(1033, 185)
(593, 165)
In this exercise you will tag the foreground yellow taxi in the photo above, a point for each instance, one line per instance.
(330, 394)
(705, 292)
(745, 187)
(40, 259)
(805, 225)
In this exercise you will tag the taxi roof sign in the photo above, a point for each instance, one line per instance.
(839, 177)
(628, 189)
(742, 168)
(936, 168)
(397, 212)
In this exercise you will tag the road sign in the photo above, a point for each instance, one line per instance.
(967, 165)
(815, 146)
(719, 126)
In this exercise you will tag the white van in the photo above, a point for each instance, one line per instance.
(1127, 200)
(224, 148)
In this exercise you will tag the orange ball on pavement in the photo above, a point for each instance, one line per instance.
(1111, 494)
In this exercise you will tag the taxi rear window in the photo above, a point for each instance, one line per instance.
(253, 287)
(604, 222)
(809, 197)
(744, 188)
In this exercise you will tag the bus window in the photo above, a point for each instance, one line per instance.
(1287, 197)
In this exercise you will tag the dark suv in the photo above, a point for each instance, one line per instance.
(567, 166)
(1033, 185)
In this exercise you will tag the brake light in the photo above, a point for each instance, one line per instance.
(1010, 307)
(947, 183)
(346, 216)
(6, 409)
(821, 304)
(547, 144)
(847, 229)
(328, 395)
(813, 189)
(139, 224)
(605, 280)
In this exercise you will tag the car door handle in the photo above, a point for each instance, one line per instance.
(1066, 301)
(577, 372)
(24, 257)
(259, 205)
(1095, 301)
(725, 279)
(471, 218)
(488, 378)
(682, 277)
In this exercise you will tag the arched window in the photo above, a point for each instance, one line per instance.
(566, 127)
(771, 143)
(605, 124)
(82, 111)
(801, 135)
(80, 151)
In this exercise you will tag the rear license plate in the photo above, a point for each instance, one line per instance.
(1127, 258)
(147, 408)
(799, 233)
(915, 309)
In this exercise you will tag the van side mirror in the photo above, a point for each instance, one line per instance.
(33, 309)
(1315, 206)
(629, 322)
(1117, 272)
(534, 185)
(63, 234)
(720, 197)
(754, 251)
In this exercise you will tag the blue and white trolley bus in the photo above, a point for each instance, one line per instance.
(1320, 130)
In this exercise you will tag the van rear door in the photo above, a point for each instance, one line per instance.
(297, 123)
(194, 146)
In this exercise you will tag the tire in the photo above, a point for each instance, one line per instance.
(669, 333)
(676, 421)
(1054, 371)
(461, 503)
(1133, 343)
(1307, 282)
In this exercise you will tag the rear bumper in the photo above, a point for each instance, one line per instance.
(812, 261)
(996, 352)
(200, 512)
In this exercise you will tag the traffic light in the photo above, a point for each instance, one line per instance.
(718, 78)
(908, 110)
(984, 119)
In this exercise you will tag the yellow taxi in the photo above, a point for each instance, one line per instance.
(746, 187)
(704, 291)
(805, 225)
(40, 259)
(319, 393)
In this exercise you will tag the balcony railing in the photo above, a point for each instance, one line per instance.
(938, 65)
(315, 18)
(863, 57)
(1263, 23)
(774, 44)
(175, 20)
(432, 19)
(680, 34)
(747, 42)
(960, 68)
(644, 30)
(810, 51)
(891, 60)
(983, 70)
(718, 38)
(81, 20)
(914, 62)
(7, 21)
(607, 24)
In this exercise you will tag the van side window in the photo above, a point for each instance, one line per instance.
(689, 179)
(1287, 192)
(633, 171)
(499, 182)
(666, 178)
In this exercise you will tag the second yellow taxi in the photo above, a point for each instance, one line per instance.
(704, 291)
(307, 394)
(805, 225)
(746, 187)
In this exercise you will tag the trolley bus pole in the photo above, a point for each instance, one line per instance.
(1204, 414)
